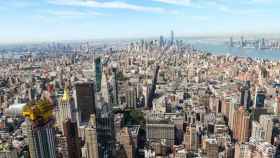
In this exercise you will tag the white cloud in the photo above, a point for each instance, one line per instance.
(67, 13)
(177, 2)
(109, 5)
(260, 1)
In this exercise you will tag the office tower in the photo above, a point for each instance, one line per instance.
(241, 123)
(234, 105)
(276, 105)
(211, 148)
(70, 132)
(44, 142)
(266, 122)
(158, 131)
(262, 44)
(231, 42)
(41, 133)
(146, 89)
(30, 140)
(115, 87)
(242, 150)
(84, 97)
(105, 129)
(153, 88)
(190, 139)
(126, 143)
(105, 88)
(257, 134)
(226, 106)
(242, 42)
(245, 99)
(161, 41)
(91, 145)
(229, 150)
(131, 97)
(259, 98)
(65, 108)
(98, 73)
(172, 38)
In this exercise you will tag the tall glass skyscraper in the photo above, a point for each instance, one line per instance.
(98, 73)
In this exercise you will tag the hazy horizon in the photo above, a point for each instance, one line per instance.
(28, 21)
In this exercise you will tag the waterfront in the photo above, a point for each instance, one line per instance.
(222, 48)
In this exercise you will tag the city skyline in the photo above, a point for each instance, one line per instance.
(49, 20)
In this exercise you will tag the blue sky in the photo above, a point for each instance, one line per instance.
(51, 20)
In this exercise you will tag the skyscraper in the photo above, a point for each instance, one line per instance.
(72, 143)
(105, 88)
(41, 133)
(241, 123)
(43, 141)
(127, 143)
(84, 97)
(153, 88)
(65, 108)
(266, 122)
(98, 73)
(105, 129)
(158, 131)
(231, 42)
(172, 38)
(115, 87)
(245, 99)
(161, 41)
(242, 42)
(190, 139)
(259, 98)
(212, 148)
(91, 139)
(243, 150)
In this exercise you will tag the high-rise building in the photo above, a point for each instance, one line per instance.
(211, 148)
(245, 99)
(229, 150)
(43, 141)
(172, 38)
(234, 105)
(146, 89)
(105, 88)
(243, 150)
(127, 143)
(191, 139)
(266, 122)
(105, 129)
(40, 130)
(84, 97)
(257, 134)
(98, 73)
(66, 109)
(231, 42)
(161, 41)
(259, 98)
(161, 131)
(242, 42)
(70, 131)
(115, 87)
(131, 97)
(241, 123)
(153, 88)
(91, 145)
